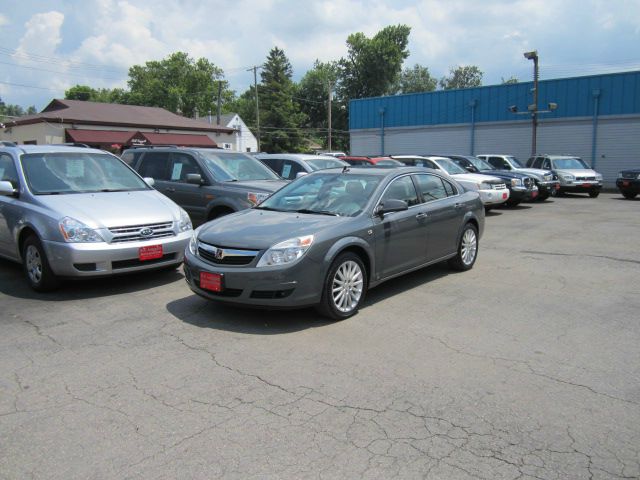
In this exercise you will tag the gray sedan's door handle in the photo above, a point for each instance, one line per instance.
(170, 189)
(422, 215)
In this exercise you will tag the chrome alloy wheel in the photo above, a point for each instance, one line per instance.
(469, 246)
(33, 262)
(346, 286)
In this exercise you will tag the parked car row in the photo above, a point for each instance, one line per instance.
(307, 229)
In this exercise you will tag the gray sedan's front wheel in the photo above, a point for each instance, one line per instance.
(467, 249)
(36, 266)
(344, 287)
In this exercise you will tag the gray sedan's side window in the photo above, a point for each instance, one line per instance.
(431, 187)
(401, 189)
(449, 188)
(8, 172)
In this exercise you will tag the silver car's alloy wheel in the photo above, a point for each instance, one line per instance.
(469, 246)
(34, 264)
(346, 286)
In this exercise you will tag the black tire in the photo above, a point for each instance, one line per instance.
(594, 193)
(36, 267)
(542, 197)
(467, 249)
(629, 195)
(349, 267)
(513, 203)
(555, 192)
(487, 209)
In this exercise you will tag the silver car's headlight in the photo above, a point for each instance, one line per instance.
(620, 175)
(75, 231)
(286, 252)
(484, 186)
(516, 182)
(184, 224)
(567, 177)
(599, 177)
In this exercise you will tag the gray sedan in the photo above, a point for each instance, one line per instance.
(327, 237)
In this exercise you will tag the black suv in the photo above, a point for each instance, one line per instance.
(628, 182)
(522, 187)
(206, 182)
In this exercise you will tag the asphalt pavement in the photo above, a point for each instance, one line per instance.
(527, 366)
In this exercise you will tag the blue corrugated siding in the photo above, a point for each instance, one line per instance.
(619, 95)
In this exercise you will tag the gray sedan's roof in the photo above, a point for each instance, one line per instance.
(51, 149)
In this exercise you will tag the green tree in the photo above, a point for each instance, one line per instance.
(372, 65)
(466, 76)
(9, 111)
(509, 81)
(280, 115)
(179, 84)
(416, 79)
(80, 92)
(313, 91)
(104, 95)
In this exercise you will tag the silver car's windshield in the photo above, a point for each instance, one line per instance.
(516, 162)
(568, 164)
(324, 163)
(324, 194)
(231, 167)
(449, 166)
(71, 172)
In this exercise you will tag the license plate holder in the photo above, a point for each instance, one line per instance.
(211, 281)
(625, 183)
(150, 252)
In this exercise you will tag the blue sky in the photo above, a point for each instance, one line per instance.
(49, 46)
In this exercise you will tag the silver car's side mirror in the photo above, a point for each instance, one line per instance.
(149, 181)
(6, 189)
(301, 174)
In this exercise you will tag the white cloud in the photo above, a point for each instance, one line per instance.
(3, 20)
(42, 34)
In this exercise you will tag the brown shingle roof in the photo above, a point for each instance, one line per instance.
(113, 114)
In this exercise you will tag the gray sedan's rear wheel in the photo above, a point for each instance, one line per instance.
(467, 249)
(629, 195)
(36, 266)
(344, 287)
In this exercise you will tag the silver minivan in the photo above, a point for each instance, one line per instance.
(79, 212)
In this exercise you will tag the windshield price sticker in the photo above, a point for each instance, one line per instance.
(75, 168)
(177, 170)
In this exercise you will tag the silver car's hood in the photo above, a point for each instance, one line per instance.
(260, 229)
(539, 172)
(113, 209)
(579, 172)
(475, 178)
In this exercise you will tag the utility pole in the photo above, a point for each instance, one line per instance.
(219, 102)
(329, 115)
(533, 108)
(255, 88)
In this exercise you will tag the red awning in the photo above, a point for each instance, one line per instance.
(101, 137)
(181, 140)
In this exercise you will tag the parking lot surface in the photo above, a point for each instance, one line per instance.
(527, 366)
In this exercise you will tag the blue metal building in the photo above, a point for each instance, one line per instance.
(597, 118)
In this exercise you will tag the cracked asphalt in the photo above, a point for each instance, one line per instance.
(526, 367)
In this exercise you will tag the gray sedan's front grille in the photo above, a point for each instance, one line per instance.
(225, 255)
(136, 233)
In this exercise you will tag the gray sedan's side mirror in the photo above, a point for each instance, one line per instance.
(7, 190)
(301, 174)
(194, 178)
(149, 181)
(391, 205)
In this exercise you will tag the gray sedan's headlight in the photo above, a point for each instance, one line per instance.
(286, 252)
(75, 231)
(193, 243)
(516, 182)
(184, 225)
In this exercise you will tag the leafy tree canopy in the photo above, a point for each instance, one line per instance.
(509, 81)
(466, 76)
(8, 111)
(416, 79)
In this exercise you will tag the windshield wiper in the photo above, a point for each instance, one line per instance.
(258, 207)
(114, 190)
(318, 212)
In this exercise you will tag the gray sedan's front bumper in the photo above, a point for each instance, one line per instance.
(287, 286)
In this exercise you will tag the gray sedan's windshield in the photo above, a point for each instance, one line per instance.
(325, 194)
(229, 167)
(70, 172)
(568, 164)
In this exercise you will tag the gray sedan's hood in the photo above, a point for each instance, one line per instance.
(113, 209)
(260, 229)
